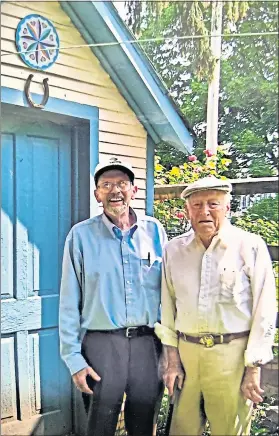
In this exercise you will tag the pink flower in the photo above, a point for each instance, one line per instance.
(192, 158)
(208, 153)
(179, 215)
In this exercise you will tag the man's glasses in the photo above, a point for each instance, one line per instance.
(123, 185)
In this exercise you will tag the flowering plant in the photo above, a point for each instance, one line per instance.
(171, 212)
(193, 169)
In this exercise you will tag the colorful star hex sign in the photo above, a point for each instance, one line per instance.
(37, 42)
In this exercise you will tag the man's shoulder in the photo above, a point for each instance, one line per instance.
(244, 235)
(149, 218)
(184, 238)
(150, 221)
(84, 225)
(239, 237)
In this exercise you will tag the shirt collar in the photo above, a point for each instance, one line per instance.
(225, 235)
(114, 230)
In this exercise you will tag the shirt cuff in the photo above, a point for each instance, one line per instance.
(75, 363)
(166, 335)
(258, 355)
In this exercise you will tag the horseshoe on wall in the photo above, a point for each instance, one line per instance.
(28, 95)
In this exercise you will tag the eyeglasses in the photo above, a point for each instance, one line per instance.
(123, 185)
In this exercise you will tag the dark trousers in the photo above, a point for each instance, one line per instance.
(124, 365)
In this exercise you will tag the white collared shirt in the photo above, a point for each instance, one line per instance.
(227, 288)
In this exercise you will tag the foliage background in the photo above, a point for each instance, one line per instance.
(248, 113)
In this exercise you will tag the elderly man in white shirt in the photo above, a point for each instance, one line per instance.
(218, 316)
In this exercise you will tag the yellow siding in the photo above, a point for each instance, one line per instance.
(77, 76)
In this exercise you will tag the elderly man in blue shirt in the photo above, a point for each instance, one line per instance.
(109, 303)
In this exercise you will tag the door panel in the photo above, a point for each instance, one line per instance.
(35, 218)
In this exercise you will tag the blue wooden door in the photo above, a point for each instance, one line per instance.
(35, 218)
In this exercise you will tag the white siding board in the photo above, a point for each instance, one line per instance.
(122, 150)
(94, 76)
(12, 21)
(141, 183)
(59, 82)
(122, 139)
(116, 117)
(135, 162)
(141, 194)
(106, 126)
(21, 9)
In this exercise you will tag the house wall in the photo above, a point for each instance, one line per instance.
(77, 76)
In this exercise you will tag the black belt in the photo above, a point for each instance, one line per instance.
(129, 332)
(209, 340)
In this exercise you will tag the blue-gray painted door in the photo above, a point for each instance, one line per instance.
(35, 218)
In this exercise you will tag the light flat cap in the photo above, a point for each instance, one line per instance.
(206, 184)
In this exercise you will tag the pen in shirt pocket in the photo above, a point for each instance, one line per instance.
(148, 258)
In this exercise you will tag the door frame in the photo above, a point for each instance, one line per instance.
(85, 131)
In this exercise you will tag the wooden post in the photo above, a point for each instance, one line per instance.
(213, 86)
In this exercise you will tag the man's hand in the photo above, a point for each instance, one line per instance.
(250, 386)
(173, 372)
(79, 379)
(173, 369)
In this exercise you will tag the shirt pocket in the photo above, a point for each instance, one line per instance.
(151, 272)
(234, 286)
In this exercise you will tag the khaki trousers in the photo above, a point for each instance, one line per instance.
(212, 390)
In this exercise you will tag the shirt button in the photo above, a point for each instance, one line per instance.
(128, 281)
(125, 261)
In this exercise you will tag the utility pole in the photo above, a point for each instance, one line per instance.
(213, 86)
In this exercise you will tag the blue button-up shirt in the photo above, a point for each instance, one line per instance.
(110, 279)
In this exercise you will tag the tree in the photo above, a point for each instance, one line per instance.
(266, 208)
(191, 18)
(249, 87)
(248, 95)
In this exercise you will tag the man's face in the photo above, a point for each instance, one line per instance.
(207, 211)
(115, 191)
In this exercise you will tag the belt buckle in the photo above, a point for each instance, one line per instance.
(129, 332)
(207, 341)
